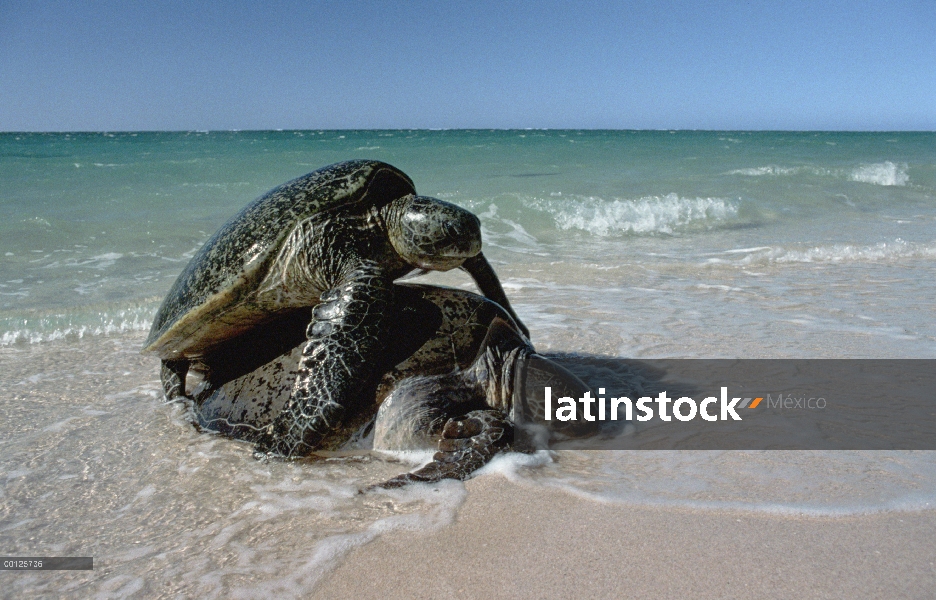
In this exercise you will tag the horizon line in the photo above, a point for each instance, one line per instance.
(590, 129)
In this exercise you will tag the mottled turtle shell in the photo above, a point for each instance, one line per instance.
(231, 264)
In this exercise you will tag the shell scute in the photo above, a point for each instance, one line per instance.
(212, 295)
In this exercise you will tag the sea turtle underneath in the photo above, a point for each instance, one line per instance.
(458, 373)
(335, 240)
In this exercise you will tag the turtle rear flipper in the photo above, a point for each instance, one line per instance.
(467, 444)
(172, 375)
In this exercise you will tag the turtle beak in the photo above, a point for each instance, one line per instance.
(440, 263)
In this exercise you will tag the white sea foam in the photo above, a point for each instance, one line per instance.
(100, 262)
(439, 503)
(650, 214)
(512, 464)
(74, 326)
(886, 173)
(780, 482)
(777, 170)
(504, 232)
(833, 253)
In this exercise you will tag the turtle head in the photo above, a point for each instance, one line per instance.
(433, 234)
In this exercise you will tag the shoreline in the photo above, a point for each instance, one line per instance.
(510, 540)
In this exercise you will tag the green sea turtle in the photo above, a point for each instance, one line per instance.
(459, 373)
(326, 246)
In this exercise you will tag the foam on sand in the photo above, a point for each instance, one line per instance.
(896, 250)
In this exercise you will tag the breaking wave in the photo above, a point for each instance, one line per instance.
(647, 215)
(776, 170)
(886, 173)
(49, 328)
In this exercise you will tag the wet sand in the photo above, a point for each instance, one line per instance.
(95, 464)
(512, 541)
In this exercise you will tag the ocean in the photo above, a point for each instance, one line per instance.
(623, 244)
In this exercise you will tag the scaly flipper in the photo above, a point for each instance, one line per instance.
(345, 337)
(483, 274)
(172, 374)
(467, 444)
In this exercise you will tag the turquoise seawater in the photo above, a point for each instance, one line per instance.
(785, 233)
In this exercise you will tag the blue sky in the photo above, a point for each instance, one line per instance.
(660, 64)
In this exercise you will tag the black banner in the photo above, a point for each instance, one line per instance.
(745, 404)
(46, 563)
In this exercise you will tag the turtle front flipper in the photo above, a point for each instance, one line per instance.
(345, 338)
(467, 444)
(483, 274)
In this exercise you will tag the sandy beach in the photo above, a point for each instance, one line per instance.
(512, 541)
(166, 511)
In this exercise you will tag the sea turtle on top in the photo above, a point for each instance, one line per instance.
(332, 241)
(458, 372)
